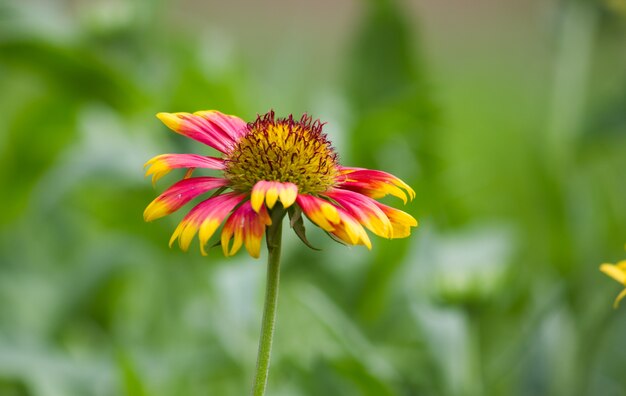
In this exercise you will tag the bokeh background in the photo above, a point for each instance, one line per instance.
(507, 117)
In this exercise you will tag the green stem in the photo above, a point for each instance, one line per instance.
(273, 236)
(476, 382)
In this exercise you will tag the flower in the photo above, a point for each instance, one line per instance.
(617, 272)
(264, 162)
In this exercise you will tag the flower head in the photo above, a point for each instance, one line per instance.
(265, 162)
(617, 272)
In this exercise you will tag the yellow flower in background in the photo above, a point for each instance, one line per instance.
(617, 272)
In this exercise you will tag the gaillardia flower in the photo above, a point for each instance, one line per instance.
(617, 272)
(265, 162)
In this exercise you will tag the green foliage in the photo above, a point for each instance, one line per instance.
(516, 153)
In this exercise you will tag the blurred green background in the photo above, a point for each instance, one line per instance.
(507, 117)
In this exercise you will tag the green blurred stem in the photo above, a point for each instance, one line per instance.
(274, 234)
(476, 375)
(573, 59)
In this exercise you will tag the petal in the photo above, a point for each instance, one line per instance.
(374, 183)
(319, 211)
(619, 298)
(401, 222)
(179, 194)
(233, 125)
(364, 210)
(246, 226)
(615, 272)
(211, 127)
(257, 196)
(204, 219)
(288, 194)
(271, 195)
(350, 230)
(161, 165)
(272, 191)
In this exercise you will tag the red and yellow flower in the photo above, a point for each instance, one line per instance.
(265, 162)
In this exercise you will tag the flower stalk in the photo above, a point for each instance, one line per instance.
(274, 240)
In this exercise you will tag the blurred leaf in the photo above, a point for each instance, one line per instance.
(608, 121)
(13, 388)
(37, 135)
(131, 380)
(74, 71)
(393, 112)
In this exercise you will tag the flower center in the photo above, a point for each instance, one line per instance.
(283, 150)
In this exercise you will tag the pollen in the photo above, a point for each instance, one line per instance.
(284, 150)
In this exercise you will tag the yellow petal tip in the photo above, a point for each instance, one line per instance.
(171, 120)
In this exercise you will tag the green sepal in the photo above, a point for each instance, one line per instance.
(334, 238)
(218, 192)
(297, 223)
